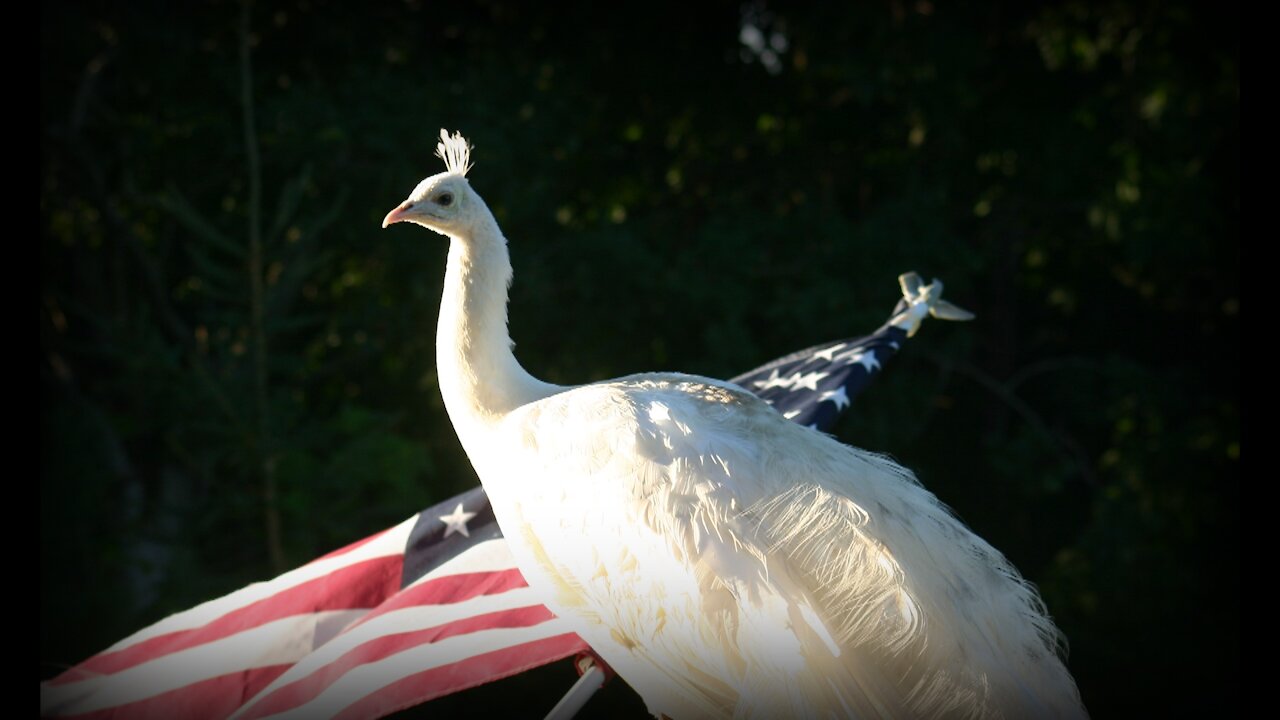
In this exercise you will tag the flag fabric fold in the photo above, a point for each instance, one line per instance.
(432, 606)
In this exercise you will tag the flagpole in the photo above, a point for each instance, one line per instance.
(591, 681)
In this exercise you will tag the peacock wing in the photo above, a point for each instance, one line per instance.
(630, 505)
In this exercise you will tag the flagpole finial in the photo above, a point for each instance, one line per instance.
(924, 300)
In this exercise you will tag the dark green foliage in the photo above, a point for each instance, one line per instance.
(673, 201)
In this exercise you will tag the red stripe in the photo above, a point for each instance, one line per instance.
(306, 688)
(477, 670)
(210, 699)
(359, 585)
(352, 546)
(450, 589)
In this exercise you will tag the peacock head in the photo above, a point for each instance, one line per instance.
(444, 203)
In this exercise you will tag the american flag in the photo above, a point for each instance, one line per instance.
(432, 606)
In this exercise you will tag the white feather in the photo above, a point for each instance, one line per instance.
(455, 151)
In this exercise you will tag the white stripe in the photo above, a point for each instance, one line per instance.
(287, 640)
(411, 619)
(488, 556)
(390, 543)
(366, 679)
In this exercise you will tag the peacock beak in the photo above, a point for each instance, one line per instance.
(399, 214)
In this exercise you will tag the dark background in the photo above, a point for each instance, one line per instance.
(700, 188)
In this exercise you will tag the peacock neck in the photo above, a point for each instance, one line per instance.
(480, 379)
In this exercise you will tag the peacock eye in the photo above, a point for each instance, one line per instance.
(445, 199)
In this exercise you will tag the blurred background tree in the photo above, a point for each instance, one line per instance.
(237, 367)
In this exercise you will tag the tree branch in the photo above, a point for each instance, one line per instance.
(271, 510)
(1066, 447)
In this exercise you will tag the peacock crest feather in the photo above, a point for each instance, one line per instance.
(455, 151)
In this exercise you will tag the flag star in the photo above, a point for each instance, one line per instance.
(457, 521)
(772, 381)
(837, 396)
(828, 353)
(894, 344)
(866, 358)
(850, 356)
(807, 381)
